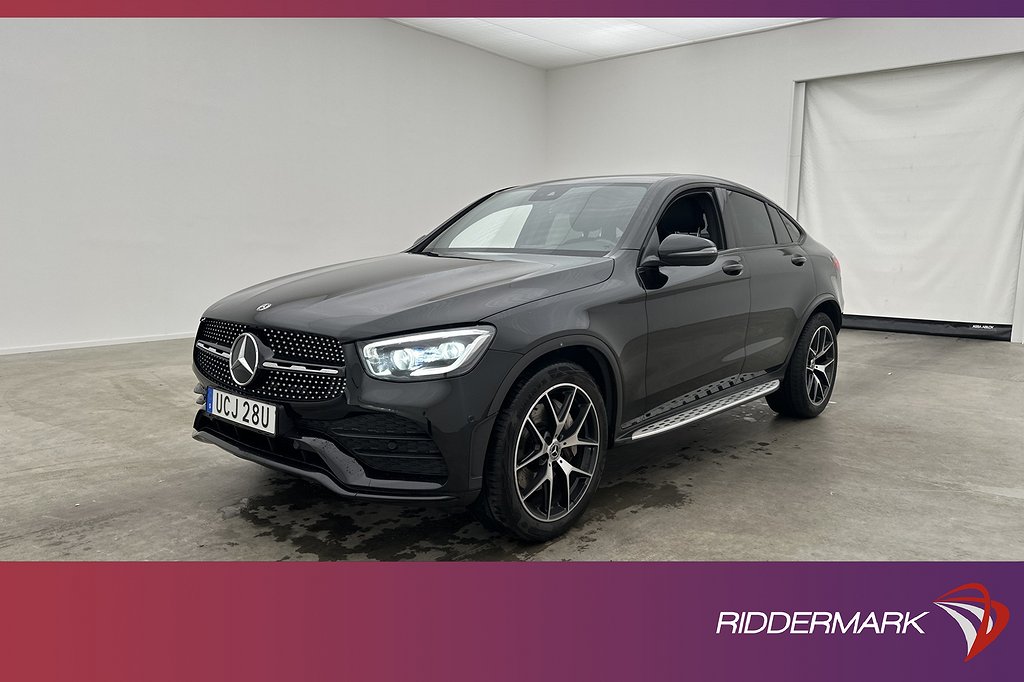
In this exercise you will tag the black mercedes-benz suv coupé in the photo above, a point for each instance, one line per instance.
(496, 361)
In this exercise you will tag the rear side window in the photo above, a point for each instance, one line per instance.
(782, 235)
(749, 217)
(794, 231)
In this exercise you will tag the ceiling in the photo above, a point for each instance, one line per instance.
(551, 43)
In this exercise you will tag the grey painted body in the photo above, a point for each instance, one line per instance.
(651, 333)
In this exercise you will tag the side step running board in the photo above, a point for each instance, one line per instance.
(707, 409)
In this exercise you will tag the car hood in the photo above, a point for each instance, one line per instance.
(408, 291)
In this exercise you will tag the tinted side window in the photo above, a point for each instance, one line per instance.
(749, 217)
(692, 214)
(794, 231)
(782, 236)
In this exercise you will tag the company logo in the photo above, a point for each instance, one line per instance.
(980, 618)
(244, 359)
(992, 616)
(263, 307)
(825, 622)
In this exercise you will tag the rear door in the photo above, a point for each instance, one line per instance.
(697, 315)
(781, 279)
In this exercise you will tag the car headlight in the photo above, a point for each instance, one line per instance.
(428, 355)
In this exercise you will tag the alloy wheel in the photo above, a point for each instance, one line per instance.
(821, 365)
(556, 452)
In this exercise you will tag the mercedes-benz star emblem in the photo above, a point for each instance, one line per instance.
(245, 358)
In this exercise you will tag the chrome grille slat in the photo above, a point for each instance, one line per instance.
(220, 352)
(291, 367)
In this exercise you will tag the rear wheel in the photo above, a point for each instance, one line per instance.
(811, 373)
(547, 454)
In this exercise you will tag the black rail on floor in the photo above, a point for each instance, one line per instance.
(992, 332)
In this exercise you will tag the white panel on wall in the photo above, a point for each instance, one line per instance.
(725, 107)
(915, 178)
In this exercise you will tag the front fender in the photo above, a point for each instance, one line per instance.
(535, 353)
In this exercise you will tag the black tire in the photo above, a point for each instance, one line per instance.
(522, 455)
(803, 393)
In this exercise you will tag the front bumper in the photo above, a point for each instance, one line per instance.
(419, 441)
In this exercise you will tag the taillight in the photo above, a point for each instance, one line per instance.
(835, 262)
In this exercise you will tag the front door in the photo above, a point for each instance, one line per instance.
(696, 315)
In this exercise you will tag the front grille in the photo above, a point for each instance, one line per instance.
(304, 347)
(388, 446)
(287, 346)
(220, 332)
(274, 384)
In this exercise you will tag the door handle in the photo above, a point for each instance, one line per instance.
(798, 259)
(732, 267)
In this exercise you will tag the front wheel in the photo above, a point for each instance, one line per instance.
(811, 373)
(547, 454)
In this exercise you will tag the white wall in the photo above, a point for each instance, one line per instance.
(148, 167)
(724, 107)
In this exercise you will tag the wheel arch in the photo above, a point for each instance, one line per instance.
(587, 351)
(830, 307)
(826, 303)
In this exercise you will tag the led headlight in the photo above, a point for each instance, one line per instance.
(427, 355)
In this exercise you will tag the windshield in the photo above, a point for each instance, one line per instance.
(578, 218)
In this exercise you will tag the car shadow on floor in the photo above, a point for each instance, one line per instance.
(310, 522)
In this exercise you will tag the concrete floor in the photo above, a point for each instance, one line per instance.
(920, 457)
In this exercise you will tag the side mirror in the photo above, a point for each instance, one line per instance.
(687, 249)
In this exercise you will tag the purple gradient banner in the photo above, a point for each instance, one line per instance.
(130, 621)
(510, 8)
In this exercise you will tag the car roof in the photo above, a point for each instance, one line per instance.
(663, 182)
(673, 179)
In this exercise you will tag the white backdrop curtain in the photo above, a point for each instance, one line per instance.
(915, 178)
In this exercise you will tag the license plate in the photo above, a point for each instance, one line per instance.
(255, 415)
